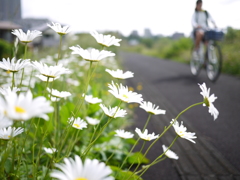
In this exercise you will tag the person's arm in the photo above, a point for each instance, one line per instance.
(212, 20)
(194, 22)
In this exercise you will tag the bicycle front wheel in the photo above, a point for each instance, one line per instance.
(214, 62)
(195, 63)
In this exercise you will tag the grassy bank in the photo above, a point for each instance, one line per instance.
(179, 50)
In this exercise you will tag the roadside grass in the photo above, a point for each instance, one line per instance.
(180, 50)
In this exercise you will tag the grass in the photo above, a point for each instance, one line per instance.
(180, 50)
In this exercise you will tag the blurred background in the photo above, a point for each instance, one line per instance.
(155, 27)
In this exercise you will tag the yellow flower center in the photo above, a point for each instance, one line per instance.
(147, 139)
(19, 109)
(181, 134)
(62, 33)
(206, 102)
(80, 179)
(76, 125)
(125, 96)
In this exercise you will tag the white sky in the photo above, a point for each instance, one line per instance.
(160, 16)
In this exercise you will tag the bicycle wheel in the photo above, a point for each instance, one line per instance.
(214, 61)
(196, 60)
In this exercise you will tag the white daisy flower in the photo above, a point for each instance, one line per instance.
(4, 121)
(77, 170)
(8, 133)
(7, 90)
(92, 121)
(49, 150)
(26, 37)
(12, 66)
(105, 40)
(208, 100)
(118, 74)
(54, 99)
(91, 54)
(181, 131)
(151, 108)
(77, 123)
(50, 71)
(92, 100)
(58, 94)
(122, 93)
(23, 107)
(113, 112)
(45, 78)
(59, 29)
(169, 153)
(145, 136)
(123, 134)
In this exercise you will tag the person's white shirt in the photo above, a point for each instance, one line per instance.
(199, 18)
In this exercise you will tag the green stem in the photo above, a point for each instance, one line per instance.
(59, 49)
(73, 140)
(149, 117)
(159, 157)
(95, 130)
(139, 162)
(147, 166)
(45, 90)
(170, 125)
(129, 153)
(25, 51)
(4, 157)
(29, 84)
(25, 55)
(63, 143)
(13, 80)
(112, 154)
(101, 130)
(81, 100)
(57, 123)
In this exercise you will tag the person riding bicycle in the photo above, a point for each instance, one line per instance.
(200, 20)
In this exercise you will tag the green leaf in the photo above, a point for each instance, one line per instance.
(136, 158)
(8, 165)
(120, 174)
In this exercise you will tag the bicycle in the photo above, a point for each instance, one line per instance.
(211, 58)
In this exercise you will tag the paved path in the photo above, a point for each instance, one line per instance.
(216, 154)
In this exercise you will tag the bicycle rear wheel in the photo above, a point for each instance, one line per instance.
(196, 60)
(214, 61)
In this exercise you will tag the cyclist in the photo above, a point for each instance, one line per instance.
(200, 20)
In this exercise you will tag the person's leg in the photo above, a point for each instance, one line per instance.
(198, 39)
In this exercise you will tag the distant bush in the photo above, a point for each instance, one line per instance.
(231, 52)
(179, 50)
(5, 49)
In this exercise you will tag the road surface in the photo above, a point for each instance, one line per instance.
(216, 154)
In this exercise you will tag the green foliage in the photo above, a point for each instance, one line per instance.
(7, 49)
(122, 174)
(176, 48)
(136, 158)
(232, 35)
(180, 50)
